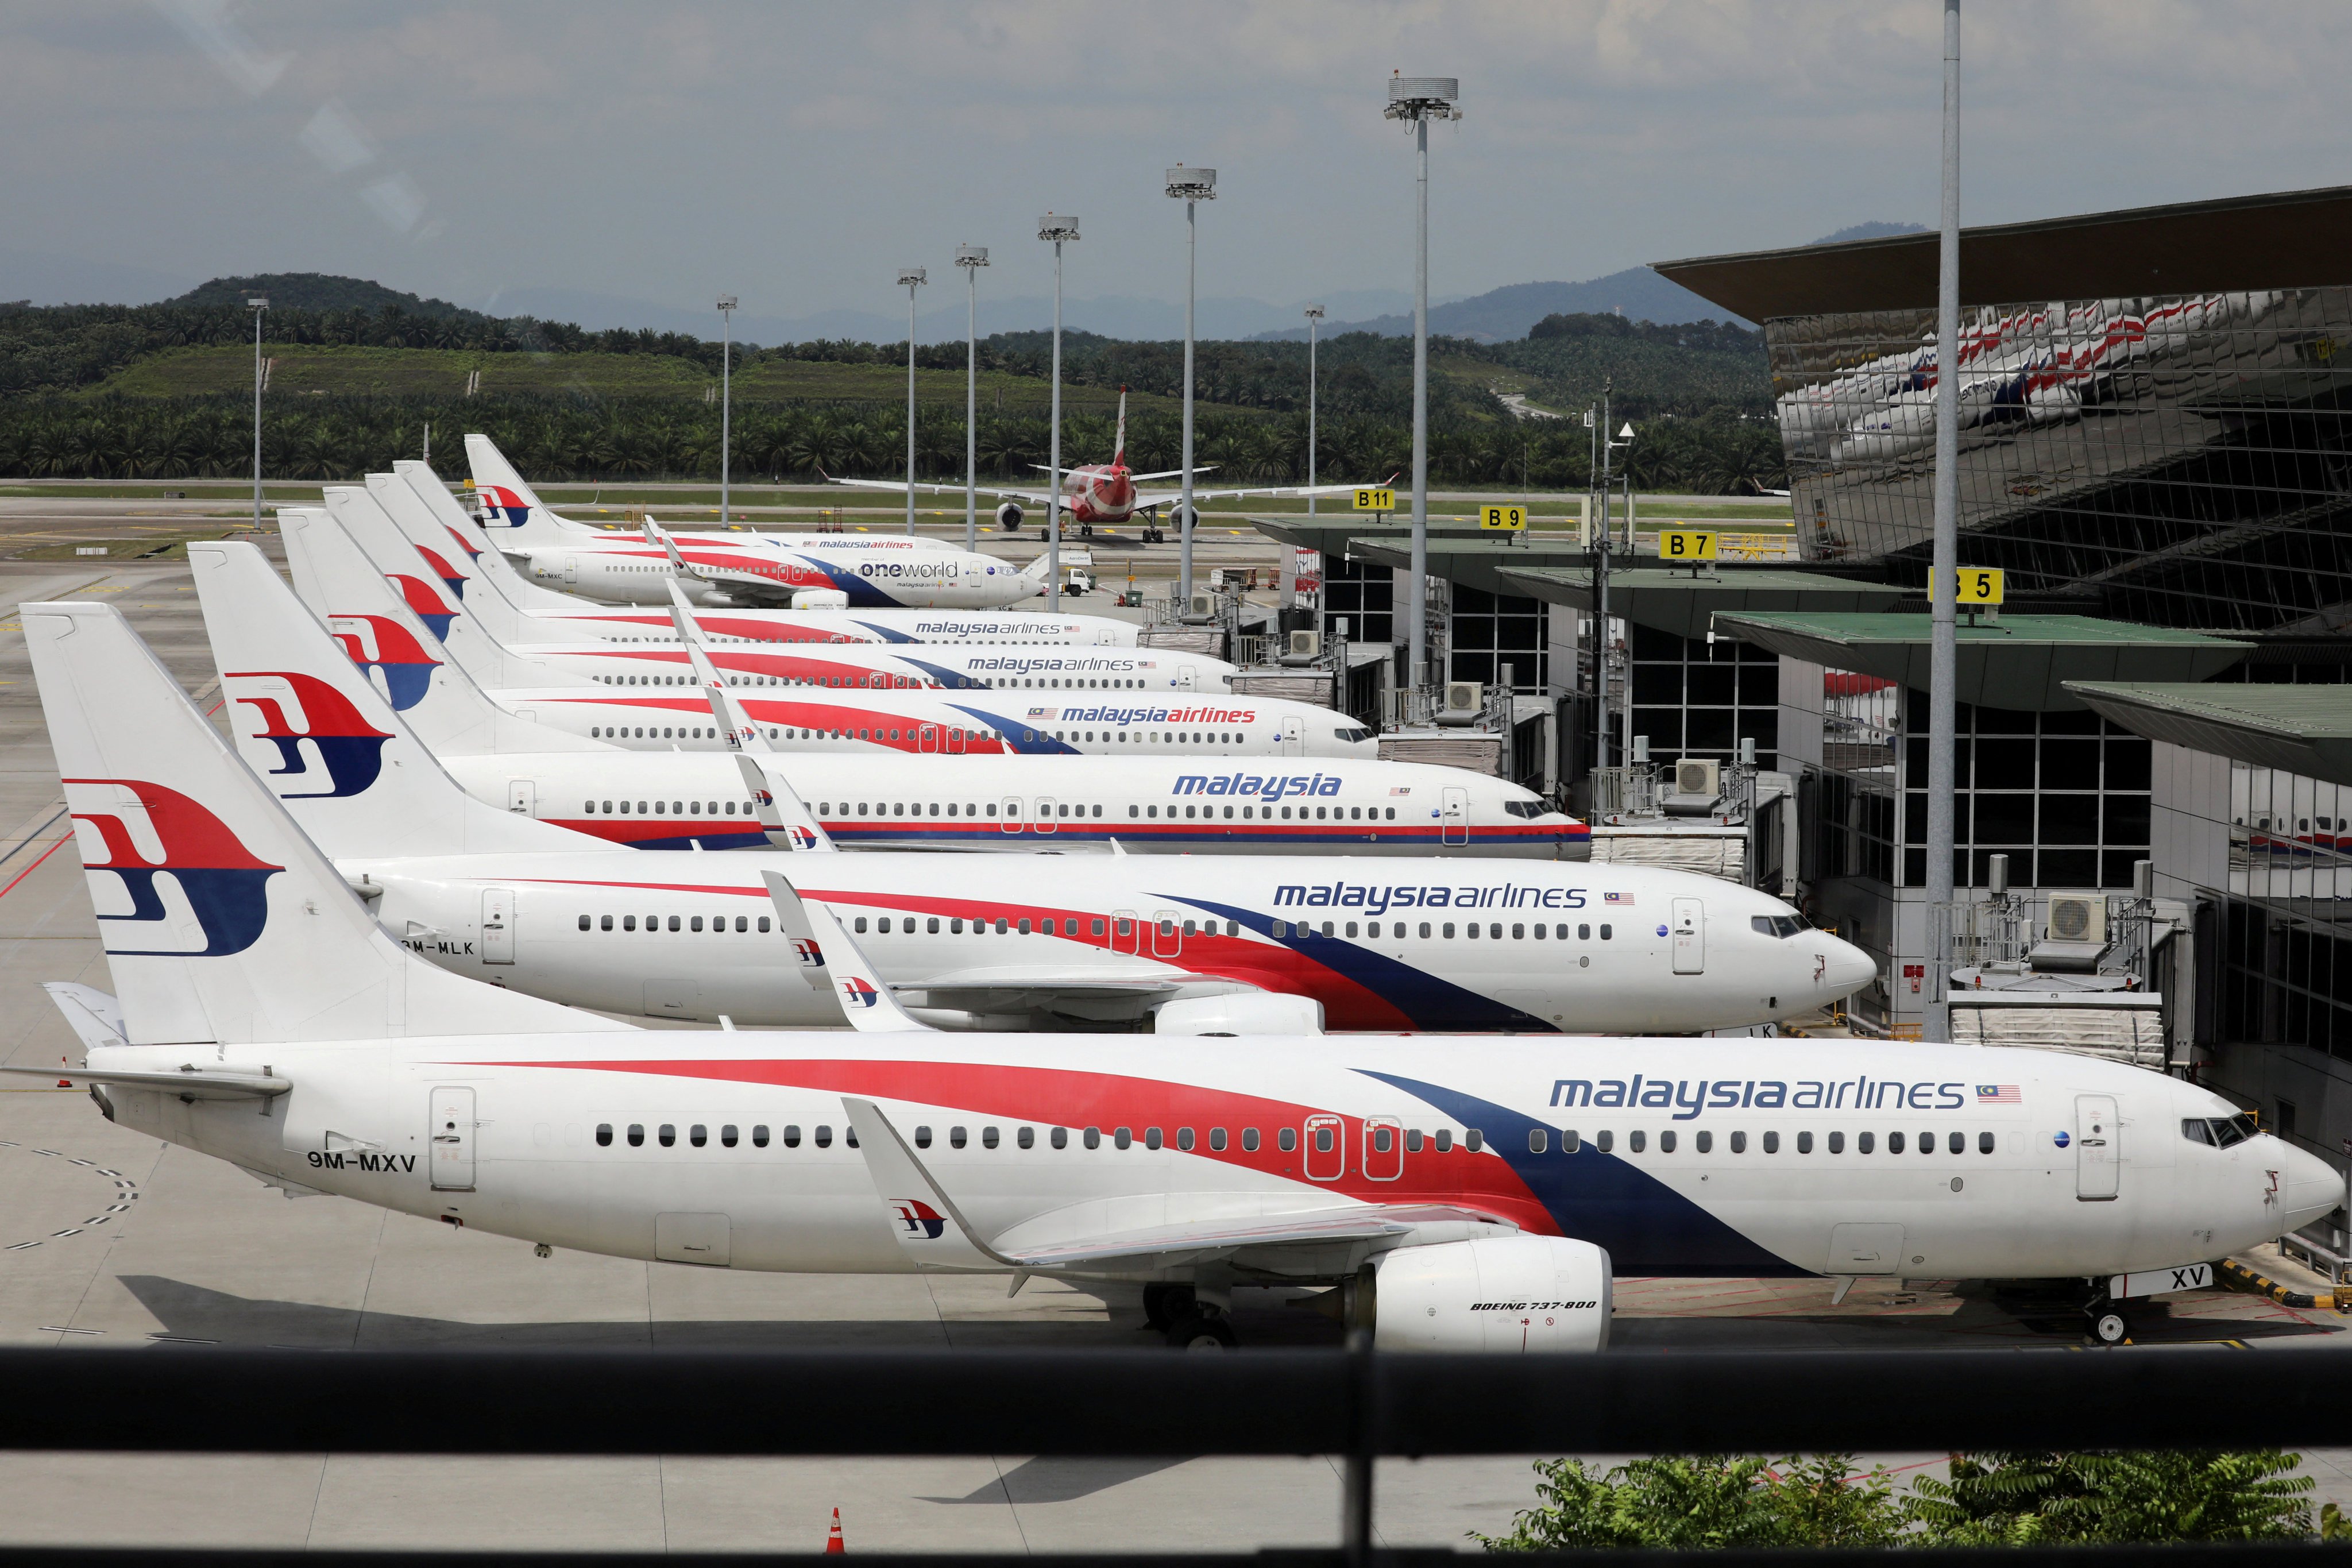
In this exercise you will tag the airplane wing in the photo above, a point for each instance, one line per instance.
(1034, 497)
(189, 1082)
(935, 1232)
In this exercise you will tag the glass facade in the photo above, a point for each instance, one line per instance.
(1363, 593)
(1694, 698)
(1491, 630)
(2183, 461)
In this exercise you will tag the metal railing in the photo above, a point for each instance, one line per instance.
(1357, 1404)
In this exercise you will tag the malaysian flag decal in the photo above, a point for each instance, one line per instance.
(1999, 1094)
(1617, 898)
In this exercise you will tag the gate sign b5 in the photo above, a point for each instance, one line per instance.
(1680, 544)
(1504, 517)
(1978, 585)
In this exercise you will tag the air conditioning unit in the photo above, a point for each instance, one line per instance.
(1700, 776)
(2077, 917)
(1203, 608)
(1307, 645)
(1464, 697)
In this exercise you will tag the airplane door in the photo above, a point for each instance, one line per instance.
(1453, 816)
(1126, 932)
(1044, 814)
(931, 738)
(452, 1135)
(2097, 1142)
(1326, 1149)
(1167, 934)
(571, 571)
(1294, 737)
(1184, 678)
(498, 926)
(1383, 1149)
(1009, 815)
(1690, 936)
(955, 740)
(522, 797)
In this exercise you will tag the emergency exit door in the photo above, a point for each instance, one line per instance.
(522, 797)
(497, 925)
(2097, 1145)
(452, 1138)
(1690, 936)
(1453, 816)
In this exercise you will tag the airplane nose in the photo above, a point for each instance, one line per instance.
(2311, 1186)
(1846, 969)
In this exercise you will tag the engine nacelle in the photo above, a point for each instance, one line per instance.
(1505, 1295)
(1241, 1013)
(820, 599)
(1008, 516)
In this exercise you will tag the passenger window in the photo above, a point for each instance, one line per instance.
(1667, 1141)
(1449, 930)
(1216, 1140)
(1926, 1143)
(1605, 934)
(988, 1137)
(1862, 1142)
(955, 1138)
(636, 1134)
(1607, 1141)
(1097, 926)
(1425, 931)
(1984, 1143)
(698, 1135)
(1288, 1139)
(1151, 1139)
(1323, 1140)
(666, 1135)
(1122, 1137)
(1771, 1142)
(1249, 1139)
(603, 1134)
(727, 1136)
(1384, 1140)
(584, 922)
(1584, 934)
(1569, 1141)
(1837, 1143)
(1955, 1143)
(1413, 1141)
(1184, 1139)
(1894, 1143)
(1026, 1138)
(1093, 1138)
(1738, 1142)
(1518, 931)
(758, 1135)
(604, 922)
(1444, 1139)
(1637, 1140)
(922, 1137)
(822, 1137)
(1539, 1140)
(1706, 1143)
(791, 1135)
(1061, 1138)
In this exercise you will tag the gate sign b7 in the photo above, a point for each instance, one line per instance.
(1679, 544)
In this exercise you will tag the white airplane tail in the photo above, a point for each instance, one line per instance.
(446, 707)
(223, 924)
(514, 513)
(476, 553)
(1119, 453)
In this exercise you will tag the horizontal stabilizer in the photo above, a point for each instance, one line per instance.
(94, 1017)
(191, 1082)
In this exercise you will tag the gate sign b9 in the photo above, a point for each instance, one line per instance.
(1679, 544)
(1505, 517)
(1978, 585)
(1375, 499)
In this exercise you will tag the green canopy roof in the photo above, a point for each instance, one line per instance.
(2021, 662)
(1669, 599)
(2303, 730)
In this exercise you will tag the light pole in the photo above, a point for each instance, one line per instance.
(910, 279)
(1420, 99)
(726, 396)
(1943, 634)
(256, 304)
(1056, 229)
(972, 258)
(1192, 187)
(1290, 557)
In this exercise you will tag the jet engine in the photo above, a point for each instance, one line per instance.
(1241, 1013)
(1505, 1295)
(1008, 517)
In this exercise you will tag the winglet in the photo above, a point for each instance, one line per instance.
(734, 722)
(656, 534)
(929, 1225)
(784, 816)
(866, 999)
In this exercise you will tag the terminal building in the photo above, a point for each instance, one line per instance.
(2155, 727)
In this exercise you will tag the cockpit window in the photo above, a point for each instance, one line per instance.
(1527, 808)
(1776, 925)
(2220, 1132)
(1354, 737)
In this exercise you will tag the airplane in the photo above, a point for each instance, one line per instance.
(1167, 802)
(1127, 935)
(1105, 718)
(608, 662)
(1467, 1195)
(423, 512)
(1100, 492)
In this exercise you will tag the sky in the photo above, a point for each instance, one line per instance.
(800, 155)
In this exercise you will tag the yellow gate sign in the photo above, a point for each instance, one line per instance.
(1676, 545)
(1512, 517)
(1978, 585)
(1375, 499)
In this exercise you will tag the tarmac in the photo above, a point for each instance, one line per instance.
(109, 1240)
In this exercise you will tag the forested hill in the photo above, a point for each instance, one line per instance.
(319, 291)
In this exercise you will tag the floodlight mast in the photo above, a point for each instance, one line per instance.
(910, 279)
(1055, 228)
(972, 258)
(256, 304)
(1418, 100)
(1191, 186)
(1290, 557)
(726, 308)
(1943, 631)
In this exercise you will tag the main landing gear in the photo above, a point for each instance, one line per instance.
(1187, 1322)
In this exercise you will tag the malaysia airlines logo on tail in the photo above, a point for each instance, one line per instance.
(406, 668)
(223, 885)
(857, 992)
(425, 603)
(919, 1218)
(348, 747)
(801, 837)
(463, 543)
(443, 569)
(505, 506)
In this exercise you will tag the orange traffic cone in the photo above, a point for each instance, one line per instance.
(832, 1543)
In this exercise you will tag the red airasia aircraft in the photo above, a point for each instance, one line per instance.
(1103, 492)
